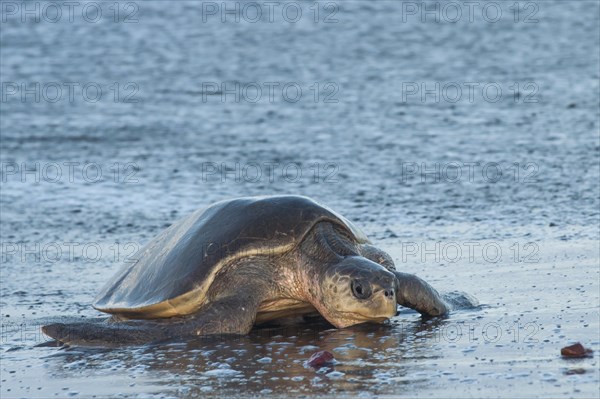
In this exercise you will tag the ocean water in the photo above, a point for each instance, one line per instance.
(463, 139)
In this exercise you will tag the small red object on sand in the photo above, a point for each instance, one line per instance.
(576, 350)
(320, 359)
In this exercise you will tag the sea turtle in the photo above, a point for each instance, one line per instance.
(247, 261)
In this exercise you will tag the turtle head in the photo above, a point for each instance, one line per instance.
(356, 290)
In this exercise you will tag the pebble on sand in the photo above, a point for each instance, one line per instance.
(576, 350)
(320, 359)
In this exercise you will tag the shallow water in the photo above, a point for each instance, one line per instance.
(525, 242)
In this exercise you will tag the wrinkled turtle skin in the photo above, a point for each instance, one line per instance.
(245, 261)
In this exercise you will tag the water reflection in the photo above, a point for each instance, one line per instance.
(373, 358)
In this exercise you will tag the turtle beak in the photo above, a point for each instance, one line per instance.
(385, 298)
(385, 293)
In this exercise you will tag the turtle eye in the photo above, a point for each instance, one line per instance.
(361, 289)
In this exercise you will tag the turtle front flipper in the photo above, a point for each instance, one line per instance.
(413, 292)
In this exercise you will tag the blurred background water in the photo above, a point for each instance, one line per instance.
(430, 125)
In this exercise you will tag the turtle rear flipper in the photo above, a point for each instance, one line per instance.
(99, 334)
(213, 320)
(233, 313)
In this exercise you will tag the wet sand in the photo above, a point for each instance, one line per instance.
(524, 241)
(507, 347)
